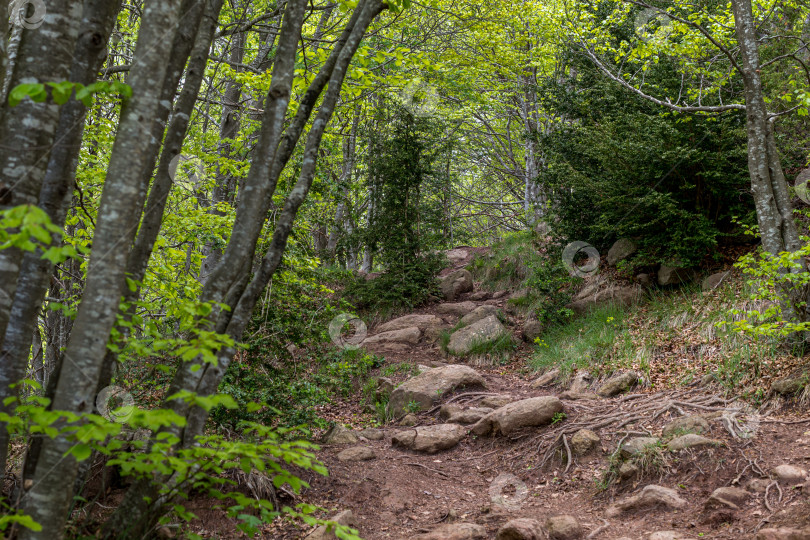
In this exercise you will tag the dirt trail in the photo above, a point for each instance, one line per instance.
(489, 480)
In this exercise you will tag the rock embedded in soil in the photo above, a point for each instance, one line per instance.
(409, 419)
(345, 518)
(453, 531)
(783, 533)
(714, 281)
(372, 434)
(728, 497)
(409, 335)
(674, 275)
(521, 529)
(563, 528)
(485, 331)
(758, 485)
(787, 386)
(339, 434)
(637, 445)
(691, 440)
(468, 416)
(480, 296)
(455, 284)
(497, 401)
(449, 409)
(530, 412)
(456, 255)
(669, 535)
(584, 442)
(357, 453)
(624, 296)
(628, 470)
(456, 310)
(621, 250)
(428, 387)
(618, 384)
(581, 382)
(430, 439)
(532, 330)
(481, 312)
(686, 424)
(649, 497)
(570, 394)
(546, 378)
(789, 474)
(408, 321)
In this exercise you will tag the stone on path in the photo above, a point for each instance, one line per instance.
(618, 384)
(668, 535)
(650, 496)
(686, 424)
(406, 335)
(521, 529)
(409, 419)
(584, 442)
(638, 445)
(537, 411)
(339, 434)
(455, 284)
(345, 518)
(783, 533)
(481, 332)
(496, 401)
(356, 453)
(563, 528)
(468, 416)
(429, 386)
(691, 440)
(546, 378)
(408, 321)
(454, 531)
(789, 473)
(581, 382)
(372, 434)
(787, 385)
(728, 497)
(430, 439)
(481, 312)
(457, 310)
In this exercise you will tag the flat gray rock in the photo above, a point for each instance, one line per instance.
(481, 332)
(539, 411)
(427, 388)
(649, 497)
(430, 439)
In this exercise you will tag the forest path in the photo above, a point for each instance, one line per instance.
(547, 466)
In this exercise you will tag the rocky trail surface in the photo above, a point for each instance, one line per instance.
(480, 450)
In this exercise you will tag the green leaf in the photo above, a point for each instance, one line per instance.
(81, 451)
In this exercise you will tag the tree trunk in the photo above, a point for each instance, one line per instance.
(768, 185)
(49, 498)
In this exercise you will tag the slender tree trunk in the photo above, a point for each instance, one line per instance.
(49, 498)
(770, 190)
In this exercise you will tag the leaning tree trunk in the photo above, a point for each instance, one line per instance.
(97, 23)
(768, 185)
(48, 499)
(27, 130)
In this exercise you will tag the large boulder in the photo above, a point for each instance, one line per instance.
(430, 439)
(409, 321)
(482, 332)
(651, 496)
(674, 275)
(406, 335)
(621, 250)
(427, 388)
(481, 312)
(538, 411)
(455, 284)
(339, 434)
(457, 255)
(454, 531)
(456, 309)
